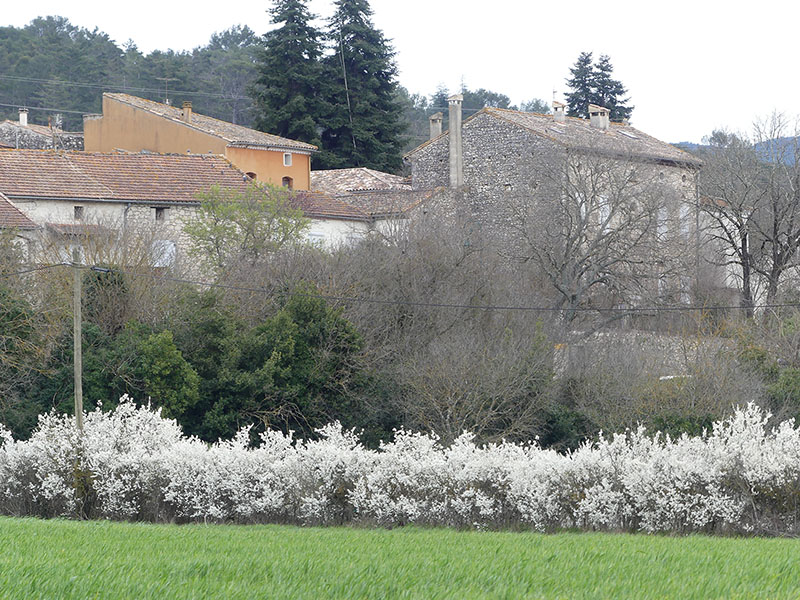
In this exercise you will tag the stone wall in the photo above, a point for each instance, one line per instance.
(17, 136)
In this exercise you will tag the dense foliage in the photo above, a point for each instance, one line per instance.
(591, 83)
(741, 476)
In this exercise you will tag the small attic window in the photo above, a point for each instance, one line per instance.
(251, 175)
(287, 159)
(160, 213)
(78, 213)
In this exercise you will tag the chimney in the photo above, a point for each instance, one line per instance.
(187, 111)
(456, 157)
(559, 112)
(436, 125)
(599, 117)
(23, 117)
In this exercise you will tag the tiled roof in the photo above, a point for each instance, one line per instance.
(151, 178)
(231, 133)
(578, 134)
(334, 181)
(146, 178)
(385, 203)
(39, 129)
(325, 206)
(13, 218)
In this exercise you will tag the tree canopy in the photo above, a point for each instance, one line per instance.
(591, 83)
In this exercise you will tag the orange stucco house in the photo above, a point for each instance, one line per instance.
(134, 124)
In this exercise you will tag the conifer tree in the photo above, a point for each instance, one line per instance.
(286, 91)
(610, 92)
(582, 85)
(593, 84)
(364, 127)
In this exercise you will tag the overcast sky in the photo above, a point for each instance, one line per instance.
(690, 66)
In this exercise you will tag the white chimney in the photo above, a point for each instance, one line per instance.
(456, 157)
(559, 112)
(23, 117)
(436, 124)
(599, 116)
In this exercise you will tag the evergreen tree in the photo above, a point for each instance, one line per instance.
(610, 92)
(364, 127)
(286, 92)
(593, 84)
(582, 85)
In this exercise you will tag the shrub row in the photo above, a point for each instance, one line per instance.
(133, 464)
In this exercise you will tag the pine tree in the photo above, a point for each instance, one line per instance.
(286, 92)
(582, 85)
(593, 84)
(610, 92)
(364, 127)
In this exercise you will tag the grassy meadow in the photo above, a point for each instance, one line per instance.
(68, 559)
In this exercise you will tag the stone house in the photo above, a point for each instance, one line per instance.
(135, 124)
(74, 198)
(504, 166)
(21, 134)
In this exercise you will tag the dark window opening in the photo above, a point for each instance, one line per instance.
(160, 213)
(287, 182)
(251, 175)
(78, 213)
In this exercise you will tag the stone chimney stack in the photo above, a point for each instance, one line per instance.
(187, 111)
(23, 117)
(436, 124)
(599, 117)
(559, 112)
(456, 156)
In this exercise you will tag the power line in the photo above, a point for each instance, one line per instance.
(34, 269)
(421, 304)
(100, 85)
(415, 303)
(59, 110)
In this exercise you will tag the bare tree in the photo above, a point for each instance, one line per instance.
(751, 187)
(597, 229)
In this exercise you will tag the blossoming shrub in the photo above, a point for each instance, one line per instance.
(131, 463)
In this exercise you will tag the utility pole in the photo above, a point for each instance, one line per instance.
(76, 337)
(166, 81)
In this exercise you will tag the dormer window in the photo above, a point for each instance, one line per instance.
(287, 159)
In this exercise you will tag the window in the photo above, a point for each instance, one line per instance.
(78, 213)
(287, 159)
(287, 182)
(163, 253)
(251, 175)
(160, 213)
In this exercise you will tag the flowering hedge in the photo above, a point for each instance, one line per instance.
(132, 463)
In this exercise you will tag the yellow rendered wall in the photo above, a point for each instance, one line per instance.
(127, 128)
(268, 165)
(124, 127)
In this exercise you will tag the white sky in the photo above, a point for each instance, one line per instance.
(690, 66)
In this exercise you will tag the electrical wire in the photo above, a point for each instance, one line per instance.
(414, 303)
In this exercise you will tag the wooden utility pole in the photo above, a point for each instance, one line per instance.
(76, 337)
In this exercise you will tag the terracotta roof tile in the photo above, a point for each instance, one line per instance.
(13, 218)
(142, 178)
(335, 181)
(231, 133)
(325, 206)
(385, 203)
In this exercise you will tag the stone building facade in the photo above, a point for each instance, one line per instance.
(506, 166)
(23, 135)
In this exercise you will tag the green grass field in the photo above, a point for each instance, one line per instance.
(63, 559)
